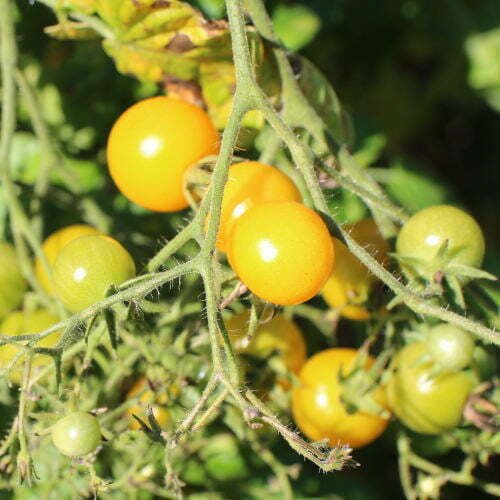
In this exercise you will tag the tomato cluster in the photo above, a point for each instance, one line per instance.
(283, 252)
(424, 396)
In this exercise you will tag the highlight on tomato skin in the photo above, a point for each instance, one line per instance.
(425, 233)
(152, 144)
(426, 399)
(348, 288)
(250, 183)
(317, 408)
(87, 267)
(76, 434)
(53, 245)
(282, 251)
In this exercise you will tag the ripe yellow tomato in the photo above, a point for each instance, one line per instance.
(278, 334)
(248, 184)
(348, 287)
(20, 323)
(12, 283)
(152, 144)
(282, 251)
(318, 410)
(367, 234)
(53, 245)
(147, 398)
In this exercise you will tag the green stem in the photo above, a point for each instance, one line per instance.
(303, 160)
(381, 203)
(53, 157)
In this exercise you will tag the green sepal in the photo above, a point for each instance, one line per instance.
(470, 272)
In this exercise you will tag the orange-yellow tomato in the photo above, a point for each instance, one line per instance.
(318, 410)
(367, 234)
(152, 144)
(248, 184)
(282, 251)
(20, 323)
(146, 397)
(279, 334)
(53, 245)
(348, 287)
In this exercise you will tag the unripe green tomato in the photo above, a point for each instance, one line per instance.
(485, 363)
(223, 460)
(86, 268)
(12, 283)
(450, 347)
(424, 399)
(194, 473)
(426, 231)
(20, 323)
(227, 467)
(76, 434)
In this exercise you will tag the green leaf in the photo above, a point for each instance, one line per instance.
(346, 206)
(296, 25)
(370, 150)
(413, 189)
(71, 31)
(320, 94)
(483, 51)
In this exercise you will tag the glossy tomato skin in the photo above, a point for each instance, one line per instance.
(426, 231)
(12, 283)
(147, 398)
(53, 245)
(350, 283)
(318, 410)
(248, 184)
(76, 434)
(279, 334)
(20, 323)
(86, 268)
(450, 347)
(282, 251)
(348, 286)
(367, 234)
(425, 401)
(152, 144)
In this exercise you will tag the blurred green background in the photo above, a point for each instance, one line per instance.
(420, 79)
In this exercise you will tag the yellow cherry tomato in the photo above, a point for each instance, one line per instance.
(348, 287)
(367, 234)
(318, 410)
(152, 144)
(53, 245)
(278, 334)
(248, 184)
(282, 251)
(20, 323)
(147, 398)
